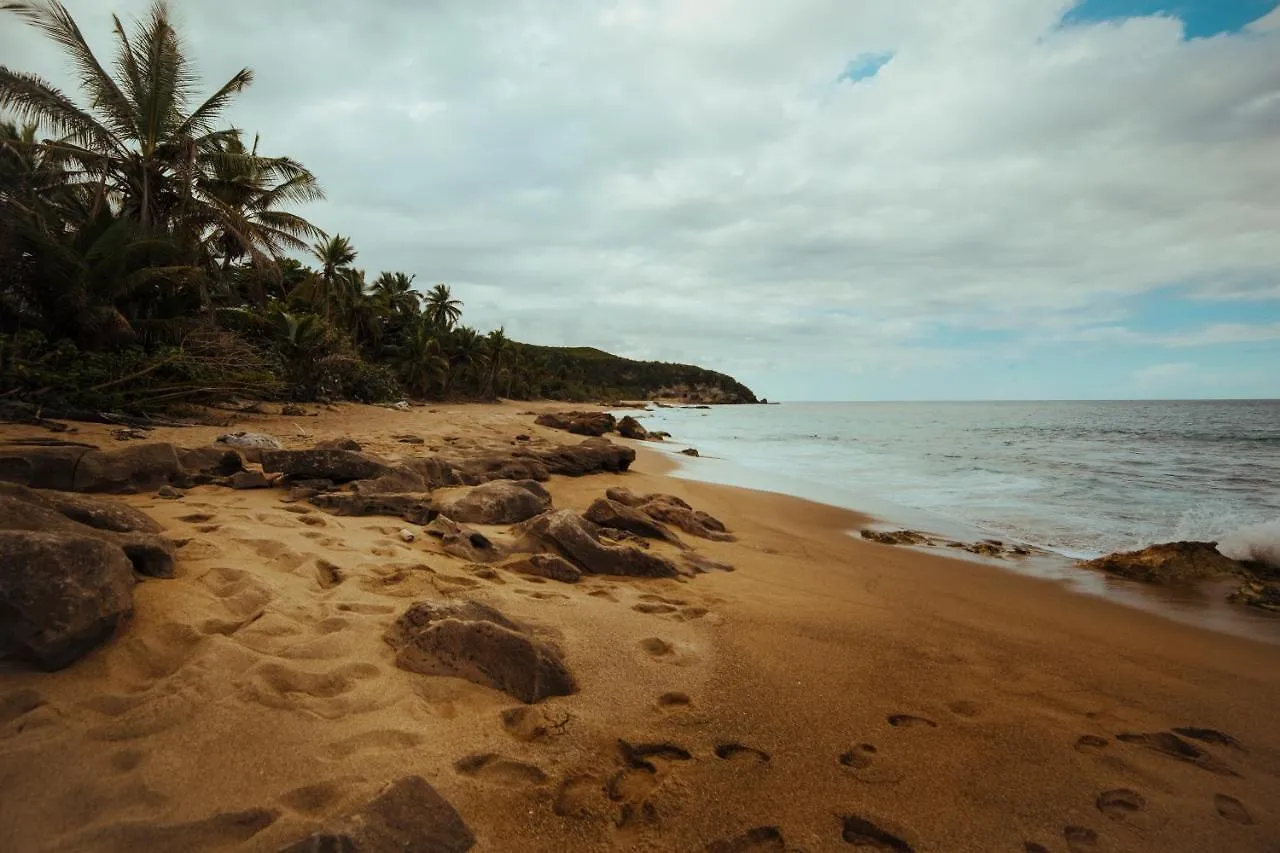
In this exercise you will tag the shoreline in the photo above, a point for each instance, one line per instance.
(982, 695)
(1203, 605)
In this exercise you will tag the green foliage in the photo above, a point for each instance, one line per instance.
(142, 261)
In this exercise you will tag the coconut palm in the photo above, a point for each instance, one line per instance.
(441, 308)
(139, 136)
(497, 349)
(394, 291)
(335, 255)
(421, 360)
(244, 193)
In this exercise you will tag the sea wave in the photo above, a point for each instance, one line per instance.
(1257, 542)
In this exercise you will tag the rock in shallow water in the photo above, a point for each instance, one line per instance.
(1171, 562)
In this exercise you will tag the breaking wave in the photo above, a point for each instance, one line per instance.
(1257, 542)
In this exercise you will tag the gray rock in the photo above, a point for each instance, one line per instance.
(497, 502)
(408, 816)
(629, 427)
(250, 444)
(339, 466)
(61, 595)
(473, 641)
(169, 493)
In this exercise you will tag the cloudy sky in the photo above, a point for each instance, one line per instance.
(829, 199)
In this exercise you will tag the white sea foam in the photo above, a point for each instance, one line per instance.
(1260, 542)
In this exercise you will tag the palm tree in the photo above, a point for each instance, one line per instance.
(245, 192)
(442, 310)
(394, 291)
(421, 359)
(139, 137)
(496, 351)
(466, 352)
(335, 255)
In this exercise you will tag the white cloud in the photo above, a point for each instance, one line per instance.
(691, 180)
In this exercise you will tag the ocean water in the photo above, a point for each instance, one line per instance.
(1077, 478)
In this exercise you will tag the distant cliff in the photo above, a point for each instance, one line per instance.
(586, 373)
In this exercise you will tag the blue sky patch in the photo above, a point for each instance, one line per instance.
(1200, 18)
(864, 66)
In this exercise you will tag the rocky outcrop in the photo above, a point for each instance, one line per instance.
(61, 595)
(463, 541)
(408, 815)
(473, 641)
(896, 537)
(593, 456)
(629, 427)
(617, 516)
(674, 511)
(136, 468)
(1171, 562)
(578, 423)
(690, 451)
(547, 566)
(118, 525)
(578, 540)
(497, 502)
(340, 466)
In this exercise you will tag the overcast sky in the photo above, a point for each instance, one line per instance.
(828, 199)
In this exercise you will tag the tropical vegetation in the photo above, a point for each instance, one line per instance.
(150, 255)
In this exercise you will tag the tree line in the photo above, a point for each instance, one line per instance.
(149, 256)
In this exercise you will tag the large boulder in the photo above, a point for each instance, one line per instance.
(1170, 562)
(489, 466)
(41, 467)
(340, 466)
(473, 641)
(114, 523)
(593, 456)
(616, 516)
(408, 816)
(130, 469)
(629, 427)
(578, 423)
(497, 502)
(398, 480)
(578, 540)
(61, 595)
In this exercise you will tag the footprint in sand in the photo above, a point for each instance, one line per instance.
(224, 830)
(654, 607)
(1169, 744)
(382, 740)
(741, 752)
(197, 517)
(19, 703)
(334, 693)
(319, 798)
(1033, 847)
(1120, 803)
(1211, 736)
(657, 647)
(861, 832)
(328, 574)
(1090, 743)
(910, 721)
(864, 763)
(497, 769)
(1080, 839)
(579, 796)
(760, 839)
(963, 708)
(674, 700)
(1229, 808)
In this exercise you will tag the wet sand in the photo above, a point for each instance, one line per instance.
(844, 693)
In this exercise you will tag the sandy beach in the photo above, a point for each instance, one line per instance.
(827, 694)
